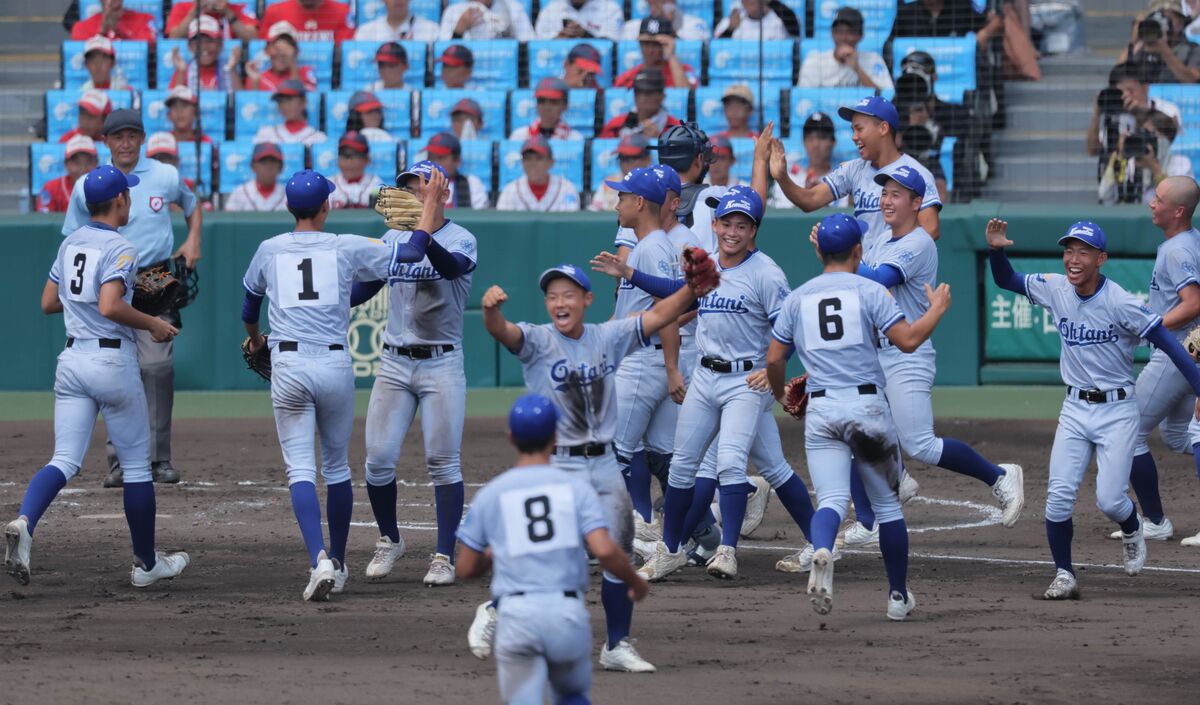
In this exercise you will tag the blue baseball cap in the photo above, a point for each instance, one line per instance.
(746, 201)
(839, 233)
(669, 177)
(423, 169)
(532, 418)
(568, 271)
(641, 182)
(714, 201)
(307, 190)
(874, 106)
(1088, 233)
(106, 182)
(906, 176)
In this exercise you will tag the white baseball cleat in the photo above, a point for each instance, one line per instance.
(1133, 549)
(859, 535)
(623, 657)
(756, 506)
(166, 567)
(482, 631)
(801, 561)
(1063, 587)
(1009, 491)
(723, 564)
(386, 555)
(820, 581)
(650, 532)
(19, 542)
(1191, 541)
(321, 580)
(1162, 531)
(899, 608)
(909, 488)
(643, 550)
(441, 571)
(340, 574)
(662, 563)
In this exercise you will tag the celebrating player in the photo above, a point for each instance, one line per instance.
(1100, 325)
(91, 284)
(307, 274)
(534, 522)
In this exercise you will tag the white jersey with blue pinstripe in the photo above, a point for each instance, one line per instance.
(87, 259)
(735, 318)
(1175, 267)
(856, 178)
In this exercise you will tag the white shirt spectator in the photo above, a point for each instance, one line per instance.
(502, 19)
(772, 27)
(821, 70)
(247, 197)
(414, 28)
(356, 194)
(560, 196)
(599, 18)
(687, 28)
(307, 135)
(562, 131)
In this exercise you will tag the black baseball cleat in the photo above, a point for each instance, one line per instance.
(164, 473)
(116, 478)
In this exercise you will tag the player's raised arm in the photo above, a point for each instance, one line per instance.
(909, 336)
(1184, 359)
(700, 272)
(1002, 270)
(509, 335)
(807, 199)
(614, 266)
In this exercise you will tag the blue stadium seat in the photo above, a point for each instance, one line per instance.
(476, 158)
(437, 102)
(397, 111)
(629, 54)
(318, 55)
(527, 4)
(568, 161)
(46, 163)
(1187, 97)
(581, 109)
(234, 167)
(743, 155)
(154, 8)
(358, 64)
(187, 166)
(254, 109)
(871, 41)
(878, 15)
(604, 161)
(62, 110)
(132, 62)
(164, 68)
(796, 6)
(736, 60)
(955, 57)
(620, 100)
(805, 101)
(700, 8)
(372, 9)
(383, 159)
(212, 112)
(546, 58)
(710, 112)
(495, 62)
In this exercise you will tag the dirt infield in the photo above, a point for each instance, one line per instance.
(234, 628)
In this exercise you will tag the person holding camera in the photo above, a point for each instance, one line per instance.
(1142, 161)
(1158, 40)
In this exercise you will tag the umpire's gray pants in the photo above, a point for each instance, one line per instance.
(157, 364)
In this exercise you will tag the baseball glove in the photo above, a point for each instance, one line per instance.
(795, 396)
(1192, 343)
(400, 209)
(155, 291)
(700, 271)
(259, 361)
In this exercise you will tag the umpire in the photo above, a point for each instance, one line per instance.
(150, 231)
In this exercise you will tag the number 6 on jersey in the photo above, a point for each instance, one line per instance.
(832, 320)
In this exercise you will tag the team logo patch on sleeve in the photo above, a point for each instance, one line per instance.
(156, 203)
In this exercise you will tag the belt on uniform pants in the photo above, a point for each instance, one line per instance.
(716, 364)
(102, 342)
(566, 593)
(658, 346)
(1096, 396)
(293, 346)
(862, 389)
(418, 352)
(586, 450)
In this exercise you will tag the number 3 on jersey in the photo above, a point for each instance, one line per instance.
(307, 278)
(79, 270)
(832, 320)
(539, 519)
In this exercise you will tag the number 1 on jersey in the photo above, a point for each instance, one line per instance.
(307, 278)
(306, 290)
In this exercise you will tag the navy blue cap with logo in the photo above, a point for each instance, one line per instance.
(745, 201)
(564, 271)
(532, 419)
(1088, 233)
(669, 177)
(906, 176)
(874, 106)
(307, 190)
(106, 182)
(641, 182)
(839, 233)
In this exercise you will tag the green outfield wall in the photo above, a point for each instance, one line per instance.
(515, 247)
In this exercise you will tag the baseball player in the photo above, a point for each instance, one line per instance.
(149, 229)
(307, 273)
(1100, 325)
(834, 321)
(533, 523)
(91, 284)
(421, 367)
(538, 190)
(575, 364)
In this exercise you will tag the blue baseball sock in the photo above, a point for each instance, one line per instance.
(383, 506)
(793, 494)
(140, 508)
(307, 508)
(639, 486)
(1196, 458)
(1059, 535)
(42, 490)
(676, 503)
(1130, 524)
(825, 524)
(618, 610)
(1143, 477)
(339, 506)
(961, 458)
(449, 500)
(702, 497)
(862, 503)
(732, 501)
(893, 544)
(575, 699)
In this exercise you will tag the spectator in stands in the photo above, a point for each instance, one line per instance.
(749, 20)
(79, 158)
(161, 146)
(399, 24)
(279, 61)
(656, 37)
(819, 140)
(115, 22)
(1157, 39)
(648, 117)
(458, 63)
(633, 152)
(392, 61)
(355, 187)
(1141, 160)
(203, 72)
(844, 64)
(945, 18)
(263, 192)
(466, 190)
(364, 115)
(292, 102)
(486, 19)
(551, 95)
(237, 21)
(314, 20)
(686, 27)
(182, 110)
(466, 119)
(720, 171)
(1158, 159)
(94, 106)
(918, 84)
(1125, 104)
(100, 60)
(738, 103)
(538, 190)
(582, 66)
(579, 19)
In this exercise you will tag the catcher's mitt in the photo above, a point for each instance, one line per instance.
(259, 361)
(700, 271)
(1192, 343)
(400, 209)
(795, 396)
(155, 291)
(189, 281)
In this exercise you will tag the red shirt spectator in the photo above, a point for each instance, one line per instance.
(79, 158)
(234, 15)
(115, 22)
(625, 80)
(314, 20)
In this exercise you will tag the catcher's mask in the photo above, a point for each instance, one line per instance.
(679, 145)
